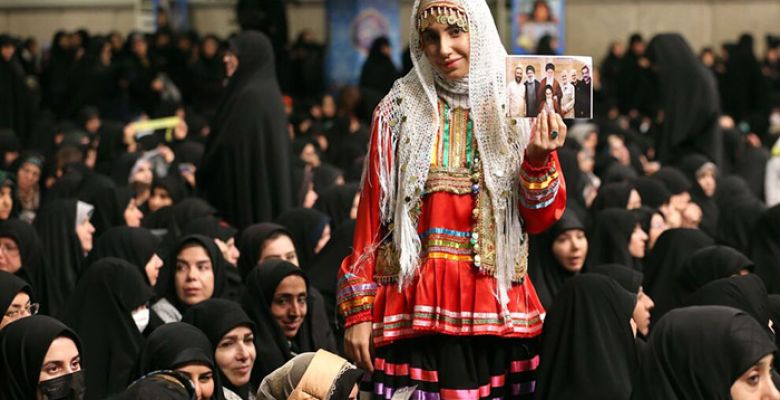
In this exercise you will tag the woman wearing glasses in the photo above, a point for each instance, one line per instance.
(15, 299)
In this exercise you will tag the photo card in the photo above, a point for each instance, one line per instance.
(559, 84)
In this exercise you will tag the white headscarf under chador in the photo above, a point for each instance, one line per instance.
(407, 123)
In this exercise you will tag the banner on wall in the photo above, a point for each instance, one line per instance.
(532, 20)
(352, 27)
(178, 13)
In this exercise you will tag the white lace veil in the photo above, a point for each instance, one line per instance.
(407, 122)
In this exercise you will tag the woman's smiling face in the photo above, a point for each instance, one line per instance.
(447, 47)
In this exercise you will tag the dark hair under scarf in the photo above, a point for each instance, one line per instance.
(10, 286)
(166, 283)
(23, 347)
(663, 264)
(134, 245)
(30, 252)
(588, 350)
(56, 226)
(215, 318)
(100, 310)
(746, 293)
(251, 241)
(306, 226)
(271, 345)
(176, 345)
(547, 274)
(610, 238)
(697, 353)
(712, 263)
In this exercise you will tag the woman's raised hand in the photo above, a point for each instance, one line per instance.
(548, 133)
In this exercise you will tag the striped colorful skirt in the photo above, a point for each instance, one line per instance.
(457, 367)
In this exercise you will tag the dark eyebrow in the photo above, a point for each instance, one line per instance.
(53, 363)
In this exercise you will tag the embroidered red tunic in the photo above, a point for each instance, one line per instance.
(450, 295)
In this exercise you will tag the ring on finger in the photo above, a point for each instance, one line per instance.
(554, 134)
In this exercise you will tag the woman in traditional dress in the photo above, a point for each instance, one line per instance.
(436, 283)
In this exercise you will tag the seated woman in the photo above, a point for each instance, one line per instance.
(631, 280)
(66, 236)
(232, 337)
(184, 348)
(15, 299)
(108, 310)
(319, 375)
(138, 246)
(671, 367)
(115, 207)
(617, 238)
(598, 364)
(310, 231)
(712, 263)
(166, 192)
(159, 385)
(40, 355)
(220, 231)
(267, 241)
(20, 251)
(653, 222)
(557, 255)
(277, 300)
(8, 206)
(28, 189)
(195, 273)
(262, 242)
(746, 293)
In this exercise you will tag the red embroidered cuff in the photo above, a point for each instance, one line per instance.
(354, 319)
(532, 170)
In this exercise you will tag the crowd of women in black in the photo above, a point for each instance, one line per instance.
(164, 269)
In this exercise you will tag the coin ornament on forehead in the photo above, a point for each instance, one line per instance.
(442, 12)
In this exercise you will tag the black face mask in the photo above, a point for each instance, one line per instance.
(66, 387)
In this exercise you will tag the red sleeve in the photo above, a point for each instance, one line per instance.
(542, 194)
(356, 286)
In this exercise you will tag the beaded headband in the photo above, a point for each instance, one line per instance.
(442, 12)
